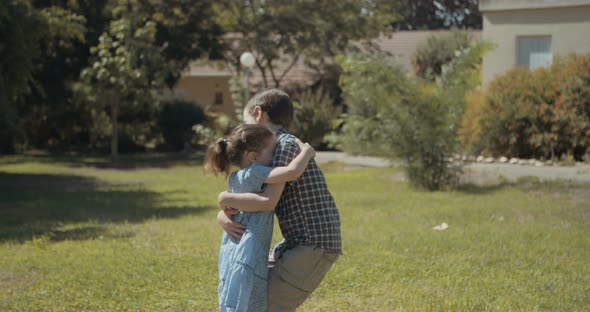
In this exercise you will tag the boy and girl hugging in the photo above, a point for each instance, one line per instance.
(277, 175)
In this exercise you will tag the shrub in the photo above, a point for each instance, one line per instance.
(391, 115)
(437, 51)
(505, 122)
(217, 125)
(542, 114)
(367, 86)
(127, 144)
(543, 135)
(176, 120)
(469, 132)
(572, 105)
(457, 84)
(415, 120)
(314, 111)
(204, 135)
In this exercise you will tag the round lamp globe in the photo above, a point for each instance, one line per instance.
(247, 59)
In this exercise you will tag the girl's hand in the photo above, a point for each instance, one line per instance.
(306, 148)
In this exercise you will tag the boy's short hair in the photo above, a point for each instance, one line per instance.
(276, 103)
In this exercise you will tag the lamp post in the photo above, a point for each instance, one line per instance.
(247, 60)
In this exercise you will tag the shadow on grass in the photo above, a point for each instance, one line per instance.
(471, 188)
(85, 233)
(123, 162)
(36, 205)
(527, 184)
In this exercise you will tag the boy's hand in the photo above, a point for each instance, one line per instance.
(306, 148)
(231, 211)
(232, 228)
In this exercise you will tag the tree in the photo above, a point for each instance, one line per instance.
(127, 67)
(145, 48)
(46, 112)
(51, 111)
(185, 31)
(432, 55)
(439, 14)
(282, 33)
(20, 31)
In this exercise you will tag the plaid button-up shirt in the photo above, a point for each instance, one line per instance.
(306, 211)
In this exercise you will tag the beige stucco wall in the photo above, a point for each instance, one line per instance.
(504, 5)
(569, 29)
(202, 90)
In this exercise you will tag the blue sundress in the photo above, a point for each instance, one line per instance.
(243, 264)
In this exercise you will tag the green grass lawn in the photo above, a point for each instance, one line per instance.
(82, 234)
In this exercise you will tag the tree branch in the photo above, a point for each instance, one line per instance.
(295, 59)
(272, 72)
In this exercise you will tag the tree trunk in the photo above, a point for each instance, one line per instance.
(115, 127)
(7, 122)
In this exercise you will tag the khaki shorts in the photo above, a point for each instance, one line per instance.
(295, 275)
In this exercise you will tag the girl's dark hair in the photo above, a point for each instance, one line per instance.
(224, 153)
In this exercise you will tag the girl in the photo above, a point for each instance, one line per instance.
(243, 264)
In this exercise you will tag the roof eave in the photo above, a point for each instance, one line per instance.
(509, 5)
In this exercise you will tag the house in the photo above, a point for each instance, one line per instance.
(531, 33)
(209, 86)
(402, 45)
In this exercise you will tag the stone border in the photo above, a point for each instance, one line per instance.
(514, 161)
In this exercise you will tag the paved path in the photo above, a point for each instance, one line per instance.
(513, 172)
(364, 161)
(480, 171)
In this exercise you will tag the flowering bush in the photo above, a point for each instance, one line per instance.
(544, 113)
(470, 128)
(507, 114)
(572, 105)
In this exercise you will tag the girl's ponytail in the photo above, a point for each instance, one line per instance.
(218, 158)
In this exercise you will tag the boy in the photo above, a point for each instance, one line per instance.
(306, 211)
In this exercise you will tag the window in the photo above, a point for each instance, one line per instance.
(533, 52)
(218, 98)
